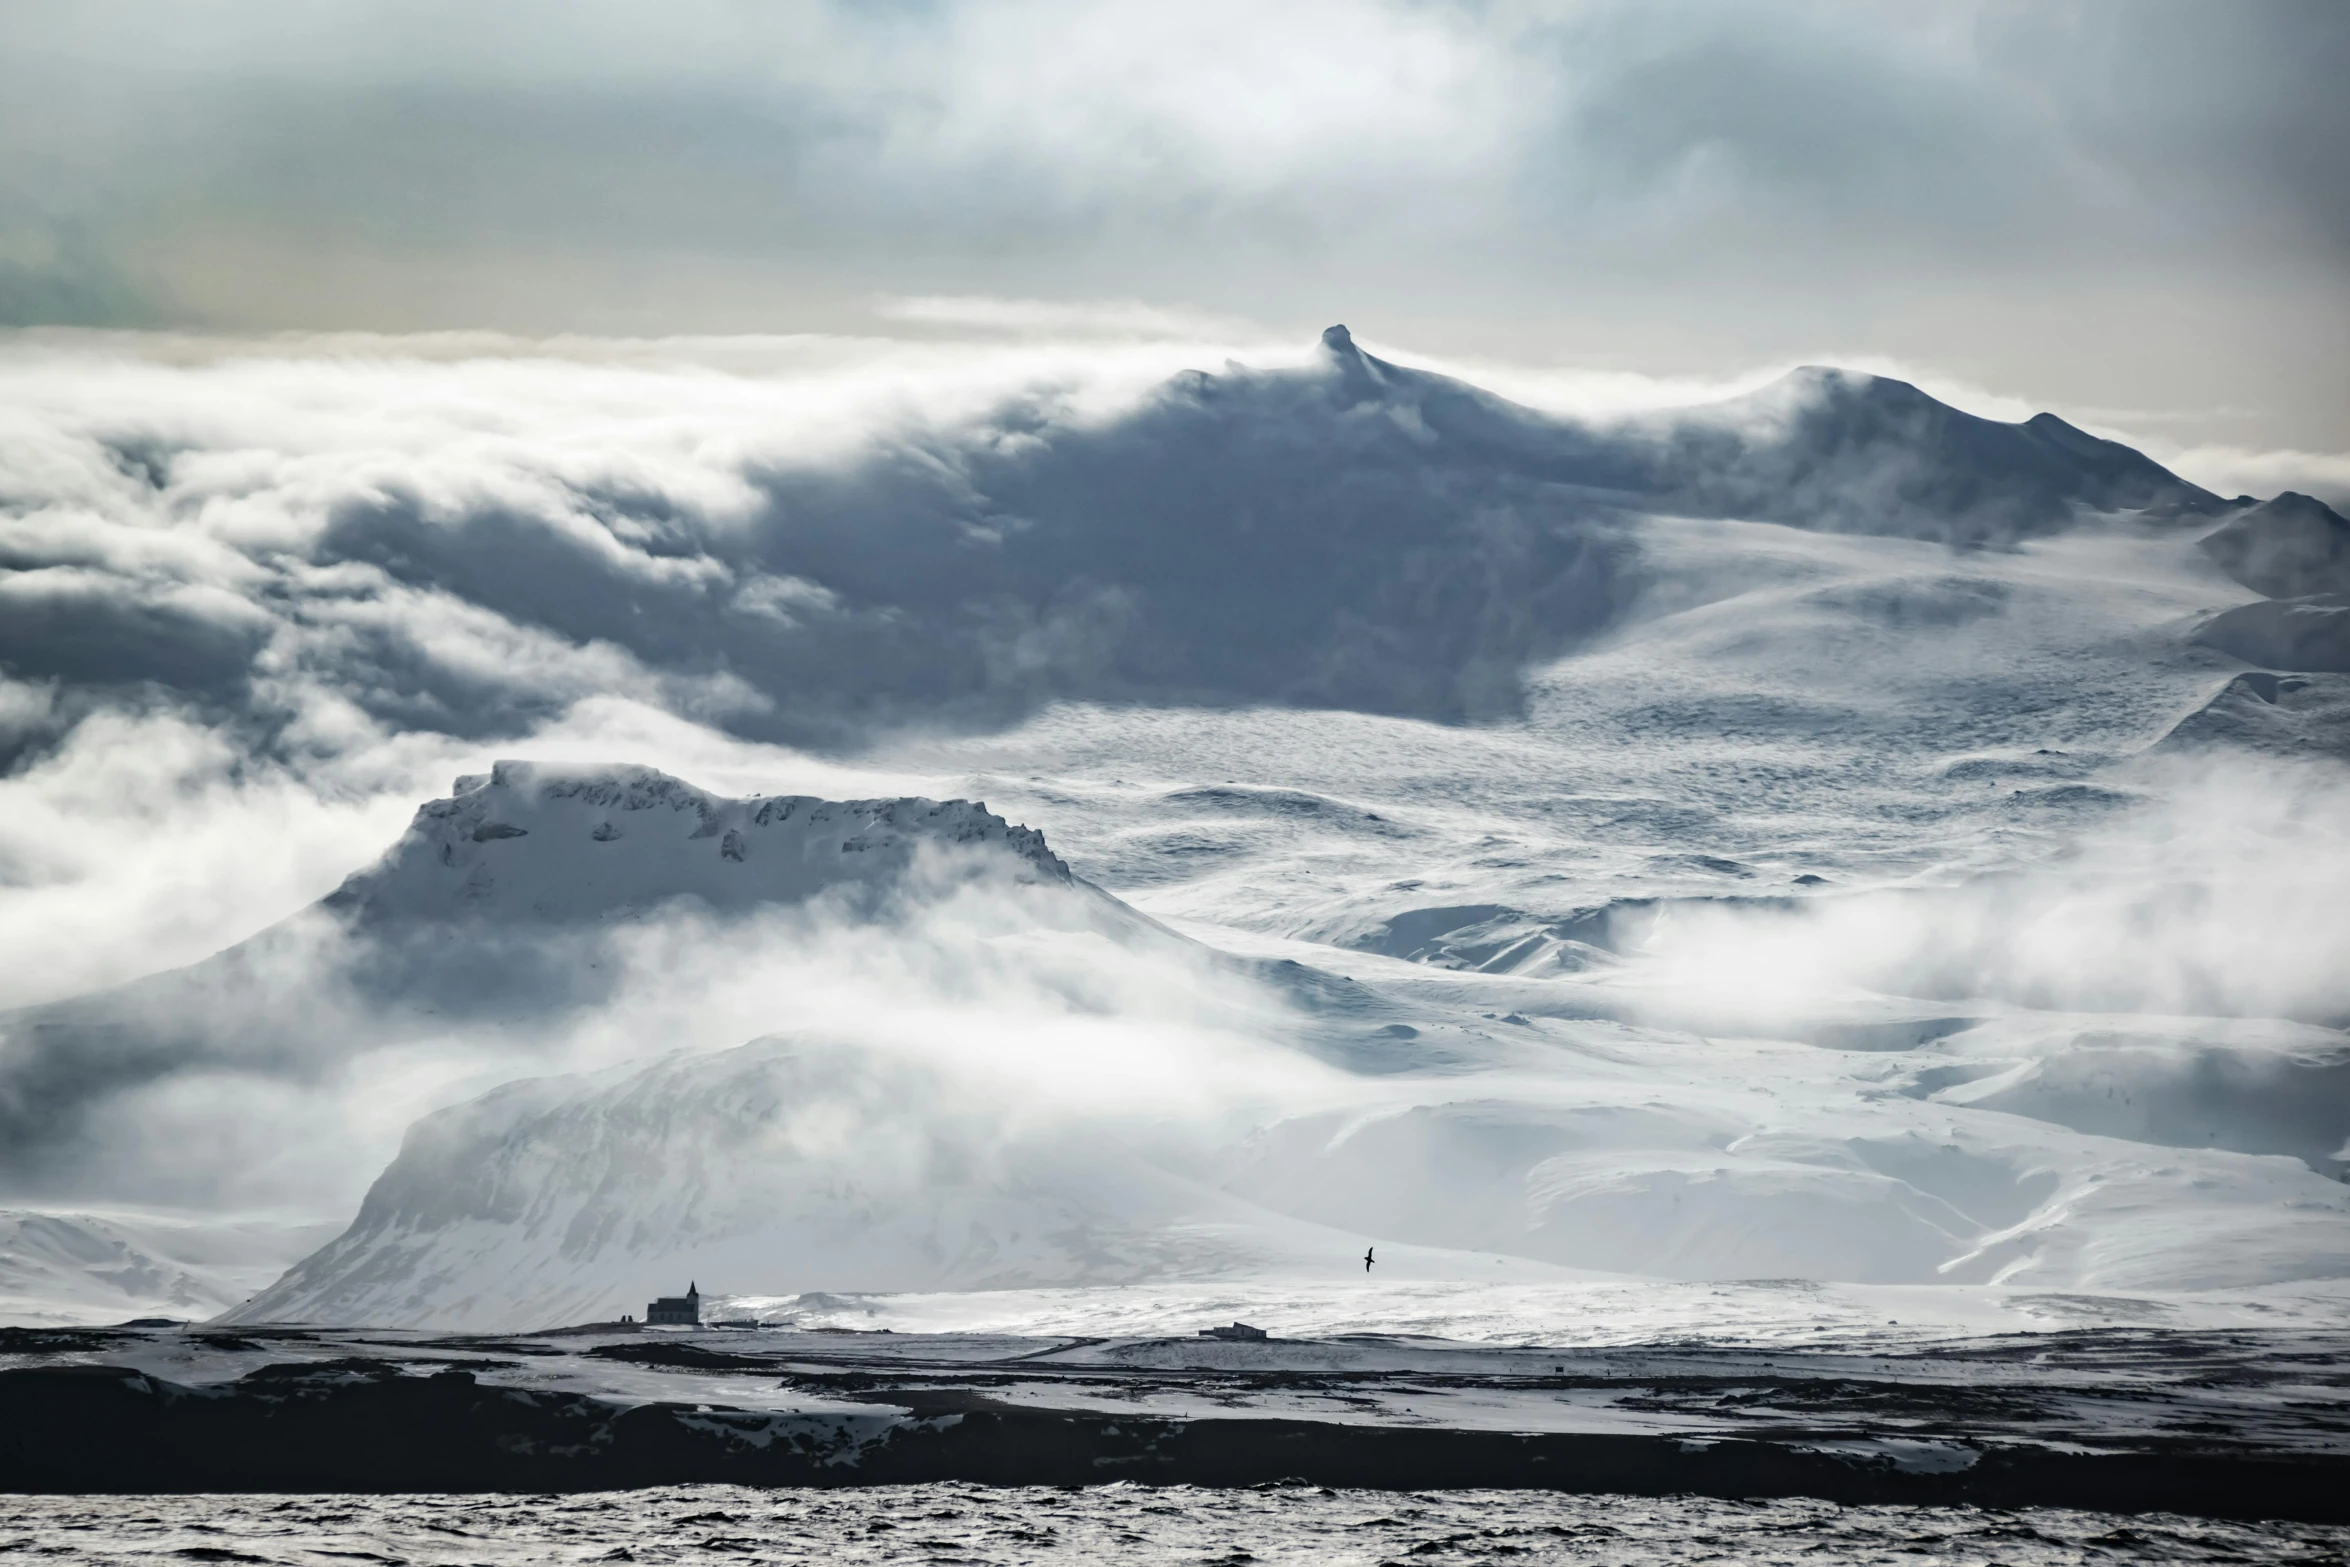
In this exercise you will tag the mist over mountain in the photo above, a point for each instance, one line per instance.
(1819, 833)
(488, 928)
(781, 1166)
(1350, 533)
(771, 659)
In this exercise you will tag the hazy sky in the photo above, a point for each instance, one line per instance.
(2131, 208)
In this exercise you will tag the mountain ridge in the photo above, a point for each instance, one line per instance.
(1346, 534)
(1826, 447)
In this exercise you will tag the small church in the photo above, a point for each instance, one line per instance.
(680, 1311)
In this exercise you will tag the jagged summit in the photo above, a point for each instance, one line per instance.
(1362, 378)
(543, 841)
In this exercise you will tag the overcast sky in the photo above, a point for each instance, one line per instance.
(2131, 210)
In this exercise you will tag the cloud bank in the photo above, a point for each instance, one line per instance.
(2114, 204)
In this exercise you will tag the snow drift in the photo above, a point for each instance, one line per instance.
(2310, 634)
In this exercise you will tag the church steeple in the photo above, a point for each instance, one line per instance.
(677, 1310)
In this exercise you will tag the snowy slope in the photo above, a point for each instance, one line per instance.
(781, 1166)
(1858, 870)
(1828, 448)
(1831, 920)
(74, 1267)
(2287, 547)
(2024, 1154)
(479, 939)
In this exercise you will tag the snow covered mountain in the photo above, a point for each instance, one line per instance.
(1823, 836)
(779, 1167)
(1836, 449)
(1348, 533)
(1358, 534)
(613, 842)
(61, 1267)
(494, 911)
(2287, 547)
(2009, 1153)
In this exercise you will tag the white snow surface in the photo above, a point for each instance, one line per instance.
(2059, 1017)
(1860, 914)
(66, 1267)
(610, 843)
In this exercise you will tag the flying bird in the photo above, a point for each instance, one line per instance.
(1367, 1250)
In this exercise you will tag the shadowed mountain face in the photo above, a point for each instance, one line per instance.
(1350, 534)
(2287, 548)
(1346, 536)
(1360, 535)
(2297, 551)
(2309, 634)
(1843, 452)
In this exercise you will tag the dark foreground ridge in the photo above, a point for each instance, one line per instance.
(373, 1429)
(2211, 1425)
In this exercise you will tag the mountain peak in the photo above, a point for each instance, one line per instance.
(1359, 377)
(554, 841)
(1848, 387)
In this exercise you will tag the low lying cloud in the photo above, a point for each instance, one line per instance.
(261, 596)
(2214, 897)
(2017, 192)
(2234, 470)
(148, 839)
(285, 1076)
(262, 599)
(306, 549)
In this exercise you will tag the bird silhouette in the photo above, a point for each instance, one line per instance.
(1367, 1259)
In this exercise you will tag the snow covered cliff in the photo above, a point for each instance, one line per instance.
(535, 841)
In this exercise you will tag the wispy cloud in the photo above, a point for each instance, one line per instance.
(1116, 318)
